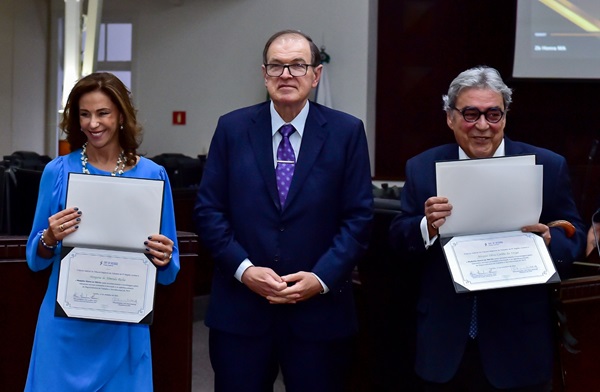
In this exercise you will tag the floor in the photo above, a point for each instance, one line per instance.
(202, 374)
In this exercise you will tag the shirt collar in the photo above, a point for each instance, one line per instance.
(298, 122)
(498, 153)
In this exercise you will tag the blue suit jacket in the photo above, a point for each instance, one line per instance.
(515, 324)
(324, 227)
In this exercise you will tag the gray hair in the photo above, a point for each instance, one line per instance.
(481, 77)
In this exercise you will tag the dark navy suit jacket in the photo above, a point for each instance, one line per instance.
(515, 324)
(324, 227)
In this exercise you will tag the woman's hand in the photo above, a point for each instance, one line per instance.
(62, 224)
(161, 248)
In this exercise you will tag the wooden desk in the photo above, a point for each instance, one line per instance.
(580, 298)
(184, 200)
(171, 333)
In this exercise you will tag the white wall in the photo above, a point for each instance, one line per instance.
(6, 76)
(202, 57)
(23, 48)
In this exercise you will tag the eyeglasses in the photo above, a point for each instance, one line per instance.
(471, 114)
(296, 70)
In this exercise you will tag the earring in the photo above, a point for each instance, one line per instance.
(121, 127)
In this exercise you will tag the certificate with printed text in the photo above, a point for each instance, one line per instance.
(491, 261)
(106, 285)
(492, 199)
(104, 273)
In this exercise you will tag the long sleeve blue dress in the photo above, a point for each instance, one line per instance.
(87, 355)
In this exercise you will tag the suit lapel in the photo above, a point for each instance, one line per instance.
(313, 139)
(450, 153)
(511, 148)
(261, 142)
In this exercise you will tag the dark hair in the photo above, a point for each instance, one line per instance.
(314, 50)
(115, 90)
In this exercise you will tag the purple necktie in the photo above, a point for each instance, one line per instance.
(473, 324)
(285, 162)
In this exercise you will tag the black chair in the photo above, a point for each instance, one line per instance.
(20, 176)
(183, 171)
(3, 205)
(21, 195)
(27, 160)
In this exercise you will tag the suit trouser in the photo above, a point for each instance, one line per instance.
(251, 363)
(471, 377)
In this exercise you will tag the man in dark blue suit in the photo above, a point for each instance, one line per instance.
(511, 347)
(282, 291)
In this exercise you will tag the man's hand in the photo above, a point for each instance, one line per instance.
(263, 281)
(436, 211)
(591, 239)
(540, 228)
(301, 286)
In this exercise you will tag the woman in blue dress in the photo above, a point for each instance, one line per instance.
(88, 355)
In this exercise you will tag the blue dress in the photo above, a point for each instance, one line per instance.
(87, 355)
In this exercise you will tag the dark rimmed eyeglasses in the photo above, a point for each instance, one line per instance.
(471, 114)
(296, 70)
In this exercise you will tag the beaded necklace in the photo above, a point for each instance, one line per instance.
(118, 169)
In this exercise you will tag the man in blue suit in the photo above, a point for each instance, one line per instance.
(284, 252)
(512, 341)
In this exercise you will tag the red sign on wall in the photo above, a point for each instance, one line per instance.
(178, 118)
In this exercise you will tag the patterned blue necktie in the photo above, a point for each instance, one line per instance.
(473, 324)
(286, 161)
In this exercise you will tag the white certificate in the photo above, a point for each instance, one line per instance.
(490, 195)
(106, 285)
(491, 261)
(492, 199)
(104, 273)
(118, 212)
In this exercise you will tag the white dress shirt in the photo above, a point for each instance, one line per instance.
(295, 140)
